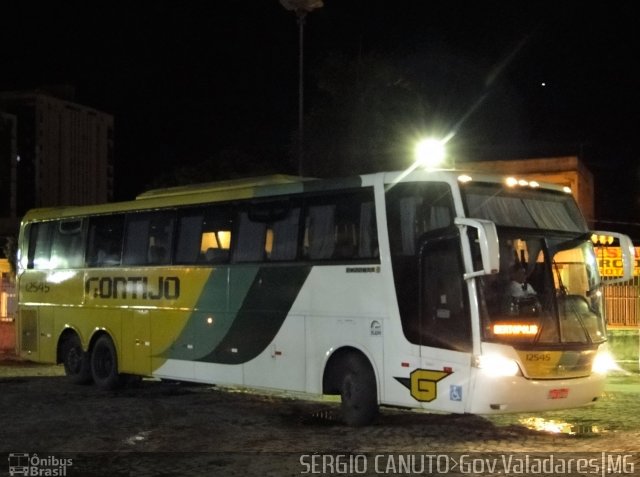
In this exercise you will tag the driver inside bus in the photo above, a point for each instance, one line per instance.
(518, 286)
(522, 298)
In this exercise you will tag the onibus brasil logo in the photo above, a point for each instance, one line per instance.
(33, 465)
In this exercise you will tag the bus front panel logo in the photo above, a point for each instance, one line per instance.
(423, 383)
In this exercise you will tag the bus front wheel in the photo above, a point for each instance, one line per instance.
(358, 391)
(77, 365)
(104, 364)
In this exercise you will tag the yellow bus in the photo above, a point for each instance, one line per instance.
(389, 288)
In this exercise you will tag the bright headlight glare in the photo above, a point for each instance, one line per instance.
(603, 363)
(496, 365)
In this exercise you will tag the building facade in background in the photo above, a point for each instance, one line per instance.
(8, 171)
(61, 152)
(564, 171)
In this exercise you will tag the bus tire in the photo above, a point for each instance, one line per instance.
(358, 391)
(104, 364)
(77, 363)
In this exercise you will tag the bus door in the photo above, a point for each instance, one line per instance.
(444, 324)
(136, 342)
(36, 321)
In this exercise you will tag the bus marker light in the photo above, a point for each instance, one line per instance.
(404, 364)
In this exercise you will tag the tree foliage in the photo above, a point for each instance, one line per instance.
(226, 164)
(369, 112)
(361, 115)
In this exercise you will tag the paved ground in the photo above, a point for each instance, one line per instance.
(164, 428)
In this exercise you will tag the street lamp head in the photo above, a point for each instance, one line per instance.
(430, 153)
(301, 6)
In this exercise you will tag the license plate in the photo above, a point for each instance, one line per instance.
(560, 393)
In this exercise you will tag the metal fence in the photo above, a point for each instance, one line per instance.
(622, 304)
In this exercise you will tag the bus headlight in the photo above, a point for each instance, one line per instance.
(603, 363)
(496, 365)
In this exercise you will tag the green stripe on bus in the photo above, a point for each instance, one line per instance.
(214, 312)
(260, 317)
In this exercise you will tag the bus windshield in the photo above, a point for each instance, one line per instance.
(548, 288)
(529, 208)
(547, 292)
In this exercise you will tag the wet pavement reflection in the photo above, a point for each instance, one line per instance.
(617, 410)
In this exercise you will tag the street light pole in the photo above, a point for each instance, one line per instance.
(301, 8)
(301, 14)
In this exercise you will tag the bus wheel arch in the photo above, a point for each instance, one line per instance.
(76, 362)
(104, 362)
(350, 374)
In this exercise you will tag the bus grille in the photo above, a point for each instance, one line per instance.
(556, 364)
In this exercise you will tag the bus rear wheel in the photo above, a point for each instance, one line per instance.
(104, 364)
(358, 391)
(77, 364)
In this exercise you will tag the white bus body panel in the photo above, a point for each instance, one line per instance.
(338, 306)
(517, 394)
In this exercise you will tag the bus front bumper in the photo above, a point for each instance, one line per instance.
(503, 394)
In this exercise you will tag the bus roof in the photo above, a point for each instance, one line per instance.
(264, 186)
(225, 185)
(461, 175)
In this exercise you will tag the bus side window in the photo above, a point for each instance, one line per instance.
(267, 231)
(445, 320)
(320, 230)
(355, 234)
(251, 243)
(189, 236)
(204, 235)
(282, 237)
(40, 245)
(368, 236)
(341, 227)
(215, 245)
(105, 241)
(67, 245)
(148, 238)
(345, 238)
(415, 209)
(160, 238)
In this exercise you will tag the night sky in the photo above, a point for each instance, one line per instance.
(188, 80)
